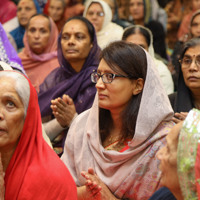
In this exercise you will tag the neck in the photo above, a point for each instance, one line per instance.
(77, 65)
(139, 22)
(117, 123)
(6, 156)
(196, 98)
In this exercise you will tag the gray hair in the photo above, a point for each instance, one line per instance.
(21, 86)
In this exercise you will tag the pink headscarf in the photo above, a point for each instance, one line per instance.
(36, 66)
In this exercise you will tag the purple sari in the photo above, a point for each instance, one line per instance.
(65, 80)
(8, 53)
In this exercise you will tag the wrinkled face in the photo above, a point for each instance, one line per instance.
(195, 26)
(196, 4)
(191, 74)
(108, 93)
(136, 9)
(168, 160)
(75, 41)
(56, 10)
(25, 10)
(95, 15)
(11, 114)
(138, 39)
(38, 33)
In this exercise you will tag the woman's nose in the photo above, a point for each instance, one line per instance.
(100, 83)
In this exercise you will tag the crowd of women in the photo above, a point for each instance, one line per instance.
(100, 100)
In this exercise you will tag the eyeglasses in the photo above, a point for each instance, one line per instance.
(99, 14)
(106, 78)
(186, 62)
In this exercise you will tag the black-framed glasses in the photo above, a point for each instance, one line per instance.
(187, 61)
(106, 78)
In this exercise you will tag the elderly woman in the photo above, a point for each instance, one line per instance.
(25, 9)
(117, 139)
(32, 169)
(39, 56)
(78, 57)
(142, 36)
(188, 91)
(181, 167)
(99, 14)
(194, 31)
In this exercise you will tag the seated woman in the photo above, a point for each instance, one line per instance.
(188, 91)
(194, 31)
(180, 167)
(7, 52)
(99, 14)
(32, 169)
(25, 9)
(56, 9)
(127, 124)
(78, 57)
(141, 14)
(142, 36)
(39, 56)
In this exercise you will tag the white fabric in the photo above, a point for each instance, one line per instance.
(165, 76)
(110, 31)
(127, 173)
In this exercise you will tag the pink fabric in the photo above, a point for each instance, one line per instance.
(184, 26)
(38, 67)
(8, 10)
(197, 170)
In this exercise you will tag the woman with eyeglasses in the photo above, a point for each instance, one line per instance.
(110, 149)
(188, 91)
(99, 13)
(68, 87)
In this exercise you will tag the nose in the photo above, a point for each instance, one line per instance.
(100, 83)
(36, 34)
(71, 40)
(193, 66)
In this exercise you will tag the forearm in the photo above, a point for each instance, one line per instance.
(53, 128)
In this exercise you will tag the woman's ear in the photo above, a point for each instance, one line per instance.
(139, 85)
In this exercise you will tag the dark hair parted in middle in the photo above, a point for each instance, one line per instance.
(130, 60)
(137, 29)
(88, 24)
(189, 44)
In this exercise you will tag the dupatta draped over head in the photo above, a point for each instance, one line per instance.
(133, 173)
(188, 156)
(110, 31)
(35, 171)
(39, 66)
(7, 52)
(65, 80)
